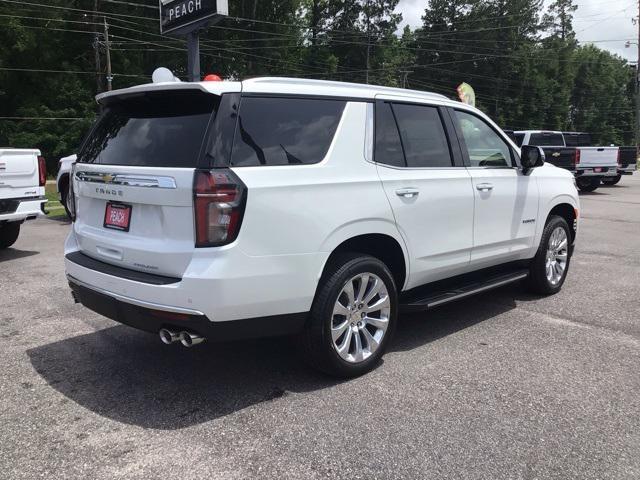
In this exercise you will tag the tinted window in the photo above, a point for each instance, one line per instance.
(519, 138)
(577, 139)
(584, 140)
(546, 139)
(423, 138)
(485, 147)
(284, 131)
(510, 134)
(388, 146)
(151, 129)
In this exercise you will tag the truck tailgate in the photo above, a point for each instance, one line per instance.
(19, 175)
(598, 157)
(628, 156)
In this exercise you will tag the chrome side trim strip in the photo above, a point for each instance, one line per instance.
(133, 301)
(478, 290)
(127, 179)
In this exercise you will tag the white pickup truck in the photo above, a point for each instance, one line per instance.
(22, 179)
(569, 150)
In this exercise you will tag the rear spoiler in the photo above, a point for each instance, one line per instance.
(215, 88)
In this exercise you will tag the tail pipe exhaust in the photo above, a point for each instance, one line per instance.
(188, 339)
(168, 337)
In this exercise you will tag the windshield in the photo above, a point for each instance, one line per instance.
(160, 129)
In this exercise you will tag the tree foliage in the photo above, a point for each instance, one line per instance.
(522, 59)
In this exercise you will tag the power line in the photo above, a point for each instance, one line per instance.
(75, 119)
(75, 72)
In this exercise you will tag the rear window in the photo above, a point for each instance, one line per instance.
(284, 131)
(546, 140)
(159, 129)
(519, 138)
(577, 139)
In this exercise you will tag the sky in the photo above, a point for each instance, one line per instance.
(606, 23)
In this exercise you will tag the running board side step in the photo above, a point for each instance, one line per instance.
(435, 298)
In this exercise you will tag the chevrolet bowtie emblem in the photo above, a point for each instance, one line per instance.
(107, 178)
(555, 154)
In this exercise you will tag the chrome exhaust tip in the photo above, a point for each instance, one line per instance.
(168, 337)
(190, 339)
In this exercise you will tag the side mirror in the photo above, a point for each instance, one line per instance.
(531, 157)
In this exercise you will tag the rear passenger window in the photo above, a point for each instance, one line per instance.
(388, 146)
(284, 131)
(423, 137)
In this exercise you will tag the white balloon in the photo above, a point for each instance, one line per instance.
(162, 74)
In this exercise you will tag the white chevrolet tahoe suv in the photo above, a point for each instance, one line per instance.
(274, 206)
(23, 175)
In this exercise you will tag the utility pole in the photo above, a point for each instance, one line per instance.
(96, 47)
(638, 81)
(368, 36)
(404, 74)
(108, 49)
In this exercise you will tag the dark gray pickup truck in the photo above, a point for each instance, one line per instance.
(627, 164)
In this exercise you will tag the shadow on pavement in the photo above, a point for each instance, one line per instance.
(591, 194)
(130, 377)
(14, 253)
(417, 329)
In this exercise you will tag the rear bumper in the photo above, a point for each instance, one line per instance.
(19, 209)
(151, 317)
(591, 171)
(218, 287)
(628, 170)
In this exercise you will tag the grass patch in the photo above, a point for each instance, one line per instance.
(53, 205)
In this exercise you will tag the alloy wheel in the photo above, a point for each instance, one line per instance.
(360, 317)
(557, 255)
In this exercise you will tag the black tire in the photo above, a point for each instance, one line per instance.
(611, 180)
(588, 184)
(537, 281)
(9, 234)
(63, 188)
(315, 342)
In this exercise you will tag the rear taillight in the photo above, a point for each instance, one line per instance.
(42, 171)
(576, 158)
(619, 159)
(219, 200)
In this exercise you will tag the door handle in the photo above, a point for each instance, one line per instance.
(407, 192)
(484, 187)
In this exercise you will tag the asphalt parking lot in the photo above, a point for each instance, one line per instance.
(502, 385)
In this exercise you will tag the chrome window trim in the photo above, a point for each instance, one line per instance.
(130, 180)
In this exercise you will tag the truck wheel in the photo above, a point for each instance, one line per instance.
(63, 188)
(9, 234)
(611, 180)
(549, 267)
(588, 184)
(352, 318)
(63, 200)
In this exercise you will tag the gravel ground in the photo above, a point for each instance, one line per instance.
(502, 385)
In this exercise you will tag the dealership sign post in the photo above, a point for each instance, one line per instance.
(185, 18)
